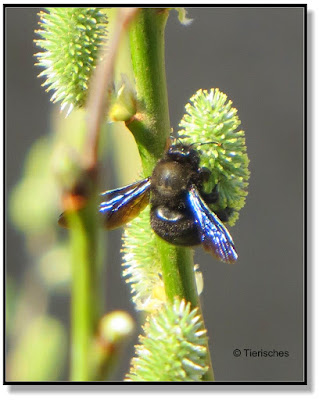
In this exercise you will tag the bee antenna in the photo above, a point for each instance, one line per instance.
(201, 144)
(177, 139)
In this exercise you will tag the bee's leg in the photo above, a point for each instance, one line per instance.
(211, 197)
(204, 174)
(224, 214)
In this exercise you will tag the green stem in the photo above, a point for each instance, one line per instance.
(85, 302)
(180, 280)
(151, 128)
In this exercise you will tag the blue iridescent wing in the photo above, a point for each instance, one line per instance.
(120, 206)
(214, 235)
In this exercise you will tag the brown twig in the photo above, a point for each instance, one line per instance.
(98, 104)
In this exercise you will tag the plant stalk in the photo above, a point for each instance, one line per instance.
(86, 294)
(151, 129)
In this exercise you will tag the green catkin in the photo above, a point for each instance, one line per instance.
(173, 347)
(70, 43)
(210, 117)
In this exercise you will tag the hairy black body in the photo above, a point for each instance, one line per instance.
(171, 217)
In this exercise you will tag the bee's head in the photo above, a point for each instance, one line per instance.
(183, 153)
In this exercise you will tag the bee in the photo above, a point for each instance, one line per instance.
(179, 211)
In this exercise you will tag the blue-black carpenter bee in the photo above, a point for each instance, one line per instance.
(179, 213)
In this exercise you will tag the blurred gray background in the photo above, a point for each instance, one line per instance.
(255, 56)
